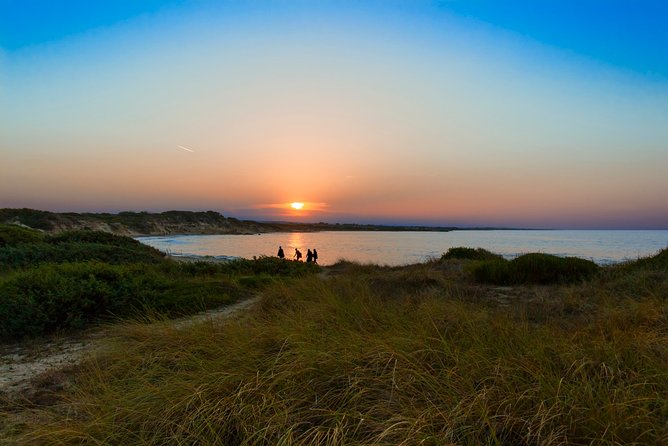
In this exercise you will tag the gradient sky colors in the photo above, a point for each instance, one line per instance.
(504, 113)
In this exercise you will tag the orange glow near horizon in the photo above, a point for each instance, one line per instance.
(293, 209)
(361, 114)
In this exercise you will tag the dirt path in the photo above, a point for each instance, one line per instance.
(22, 362)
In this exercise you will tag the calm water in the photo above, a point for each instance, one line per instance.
(399, 248)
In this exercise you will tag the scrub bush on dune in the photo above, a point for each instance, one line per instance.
(25, 248)
(74, 279)
(11, 235)
(462, 253)
(72, 295)
(535, 268)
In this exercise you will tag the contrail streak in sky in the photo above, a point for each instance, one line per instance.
(185, 148)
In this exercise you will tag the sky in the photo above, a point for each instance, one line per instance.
(550, 114)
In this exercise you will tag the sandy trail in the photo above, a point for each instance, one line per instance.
(22, 362)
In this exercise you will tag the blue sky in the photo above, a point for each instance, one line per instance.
(508, 113)
(631, 34)
(625, 33)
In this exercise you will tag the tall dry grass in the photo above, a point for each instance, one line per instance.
(386, 356)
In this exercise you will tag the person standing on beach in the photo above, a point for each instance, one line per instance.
(298, 255)
(315, 255)
(281, 254)
(309, 256)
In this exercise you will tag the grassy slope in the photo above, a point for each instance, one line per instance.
(209, 222)
(71, 280)
(181, 222)
(371, 355)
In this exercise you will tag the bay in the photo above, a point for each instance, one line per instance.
(400, 248)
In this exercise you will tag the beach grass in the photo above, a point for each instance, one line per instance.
(369, 355)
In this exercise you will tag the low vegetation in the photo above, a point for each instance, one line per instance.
(176, 222)
(371, 355)
(170, 222)
(462, 253)
(23, 251)
(74, 279)
(535, 268)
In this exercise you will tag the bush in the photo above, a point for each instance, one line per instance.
(656, 262)
(75, 280)
(463, 253)
(256, 281)
(11, 235)
(75, 246)
(493, 271)
(71, 295)
(269, 265)
(87, 236)
(30, 255)
(30, 217)
(534, 268)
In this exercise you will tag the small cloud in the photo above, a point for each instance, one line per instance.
(185, 148)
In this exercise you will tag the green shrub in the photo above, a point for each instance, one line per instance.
(493, 271)
(33, 254)
(658, 261)
(87, 236)
(199, 268)
(68, 296)
(256, 281)
(71, 295)
(269, 265)
(463, 253)
(30, 217)
(12, 235)
(534, 268)
(76, 246)
(61, 289)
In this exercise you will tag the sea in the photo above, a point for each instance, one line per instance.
(604, 247)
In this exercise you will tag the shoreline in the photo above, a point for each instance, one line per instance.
(605, 248)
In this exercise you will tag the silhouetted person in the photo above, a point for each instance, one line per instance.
(309, 256)
(280, 254)
(298, 255)
(315, 255)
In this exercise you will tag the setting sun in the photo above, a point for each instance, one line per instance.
(297, 205)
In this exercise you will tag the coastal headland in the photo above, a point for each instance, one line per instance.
(135, 224)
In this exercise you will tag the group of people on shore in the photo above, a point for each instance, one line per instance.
(311, 256)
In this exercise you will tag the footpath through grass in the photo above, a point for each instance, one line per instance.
(388, 356)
